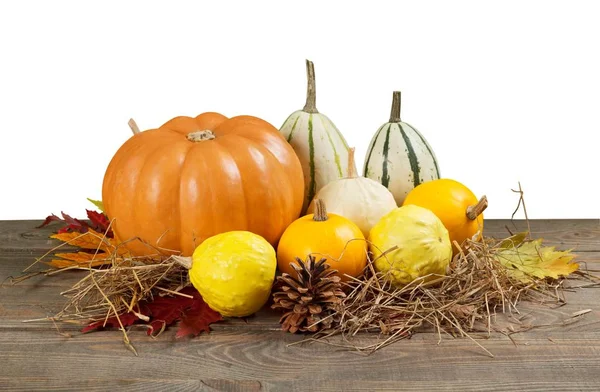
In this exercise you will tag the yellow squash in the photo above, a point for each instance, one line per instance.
(332, 236)
(234, 272)
(455, 205)
(420, 241)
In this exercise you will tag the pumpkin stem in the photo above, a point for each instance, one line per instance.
(474, 211)
(134, 127)
(311, 89)
(199, 136)
(395, 115)
(352, 173)
(320, 214)
(185, 262)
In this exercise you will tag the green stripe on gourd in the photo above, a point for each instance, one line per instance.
(292, 130)
(319, 145)
(370, 150)
(399, 157)
(437, 168)
(385, 176)
(412, 157)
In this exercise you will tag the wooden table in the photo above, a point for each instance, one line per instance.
(255, 355)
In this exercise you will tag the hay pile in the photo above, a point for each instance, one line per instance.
(476, 287)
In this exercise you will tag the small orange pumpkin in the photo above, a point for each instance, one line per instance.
(192, 178)
(455, 205)
(324, 235)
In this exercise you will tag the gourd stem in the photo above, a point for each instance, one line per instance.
(474, 211)
(134, 127)
(311, 89)
(352, 173)
(396, 101)
(320, 214)
(185, 262)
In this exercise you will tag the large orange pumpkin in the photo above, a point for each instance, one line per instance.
(192, 178)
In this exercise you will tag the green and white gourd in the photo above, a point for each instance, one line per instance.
(399, 157)
(321, 148)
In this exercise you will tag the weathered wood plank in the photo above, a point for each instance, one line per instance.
(302, 385)
(581, 234)
(257, 355)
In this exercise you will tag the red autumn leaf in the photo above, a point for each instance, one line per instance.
(99, 222)
(72, 224)
(48, 220)
(164, 311)
(127, 319)
(197, 319)
(194, 313)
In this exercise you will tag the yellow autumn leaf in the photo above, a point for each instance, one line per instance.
(80, 259)
(529, 259)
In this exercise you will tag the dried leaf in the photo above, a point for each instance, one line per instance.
(197, 319)
(99, 222)
(72, 224)
(127, 319)
(194, 313)
(83, 259)
(531, 260)
(48, 220)
(91, 240)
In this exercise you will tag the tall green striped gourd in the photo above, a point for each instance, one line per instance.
(399, 157)
(321, 148)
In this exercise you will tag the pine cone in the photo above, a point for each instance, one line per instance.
(310, 299)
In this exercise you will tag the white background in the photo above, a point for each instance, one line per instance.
(504, 92)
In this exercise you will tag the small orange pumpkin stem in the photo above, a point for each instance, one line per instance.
(320, 214)
(199, 136)
(352, 173)
(474, 211)
(396, 101)
(311, 89)
(134, 127)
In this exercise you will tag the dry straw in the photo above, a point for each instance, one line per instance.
(464, 302)
(116, 287)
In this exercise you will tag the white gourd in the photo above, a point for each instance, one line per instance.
(399, 157)
(321, 148)
(362, 200)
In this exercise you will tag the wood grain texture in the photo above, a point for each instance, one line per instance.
(254, 355)
(214, 385)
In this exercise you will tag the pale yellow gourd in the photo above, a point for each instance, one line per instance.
(410, 243)
(360, 199)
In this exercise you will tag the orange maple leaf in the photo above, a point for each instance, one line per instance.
(80, 259)
(91, 240)
(102, 246)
